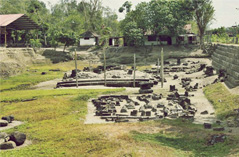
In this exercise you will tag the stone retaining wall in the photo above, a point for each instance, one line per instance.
(227, 58)
(14, 60)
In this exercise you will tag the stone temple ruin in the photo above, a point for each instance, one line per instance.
(116, 76)
(124, 108)
(146, 104)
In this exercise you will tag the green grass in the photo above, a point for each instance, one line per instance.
(33, 76)
(187, 139)
(223, 101)
(11, 96)
(55, 126)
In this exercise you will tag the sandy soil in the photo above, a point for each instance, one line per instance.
(232, 90)
(11, 125)
(199, 100)
(47, 84)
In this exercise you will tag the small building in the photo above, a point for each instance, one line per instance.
(190, 38)
(158, 40)
(10, 22)
(89, 38)
(115, 41)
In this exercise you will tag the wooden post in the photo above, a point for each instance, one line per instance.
(162, 69)
(89, 66)
(76, 69)
(158, 68)
(134, 68)
(104, 67)
(5, 36)
(0, 36)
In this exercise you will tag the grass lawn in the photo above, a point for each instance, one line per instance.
(55, 125)
(223, 101)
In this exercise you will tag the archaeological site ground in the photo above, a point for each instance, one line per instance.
(107, 78)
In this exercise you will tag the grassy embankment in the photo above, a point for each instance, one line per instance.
(146, 55)
(54, 122)
(32, 75)
(223, 101)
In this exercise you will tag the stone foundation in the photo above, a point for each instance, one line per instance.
(227, 58)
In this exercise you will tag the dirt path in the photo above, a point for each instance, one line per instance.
(199, 99)
(11, 125)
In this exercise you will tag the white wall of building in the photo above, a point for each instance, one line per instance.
(90, 41)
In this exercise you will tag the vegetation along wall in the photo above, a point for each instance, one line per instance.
(227, 58)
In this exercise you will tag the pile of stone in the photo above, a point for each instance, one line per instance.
(145, 87)
(195, 69)
(100, 69)
(184, 102)
(11, 141)
(222, 76)
(220, 138)
(185, 82)
(209, 71)
(122, 108)
(6, 120)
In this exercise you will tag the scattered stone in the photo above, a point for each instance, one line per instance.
(145, 87)
(9, 119)
(130, 72)
(8, 145)
(207, 125)
(123, 110)
(118, 120)
(218, 122)
(219, 129)
(54, 70)
(209, 71)
(216, 139)
(18, 137)
(204, 112)
(3, 123)
(230, 123)
(43, 73)
(3, 135)
(175, 77)
(156, 97)
(172, 88)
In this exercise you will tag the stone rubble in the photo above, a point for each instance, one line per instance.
(11, 141)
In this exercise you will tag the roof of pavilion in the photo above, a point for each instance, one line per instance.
(17, 22)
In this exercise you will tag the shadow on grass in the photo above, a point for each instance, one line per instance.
(197, 146)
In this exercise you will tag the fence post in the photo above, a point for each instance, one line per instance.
(76, 69)
(134, 68)
(162, 68)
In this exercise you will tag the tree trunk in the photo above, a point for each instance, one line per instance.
(201, 42)
(45, 39)
(64, 48)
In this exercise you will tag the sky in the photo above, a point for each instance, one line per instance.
(226, 13)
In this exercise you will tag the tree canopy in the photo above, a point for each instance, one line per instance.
(62, 19)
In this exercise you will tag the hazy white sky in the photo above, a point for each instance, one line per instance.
(226, 13)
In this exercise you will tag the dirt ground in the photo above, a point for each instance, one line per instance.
(199, 99)
(11, 125)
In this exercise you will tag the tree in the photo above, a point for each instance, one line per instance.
(92, 12)
(67, 39)
(169, 17)
(204, 14)
(127, 5)
(133, 35)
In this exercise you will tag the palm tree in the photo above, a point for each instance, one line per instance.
(204, 14)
